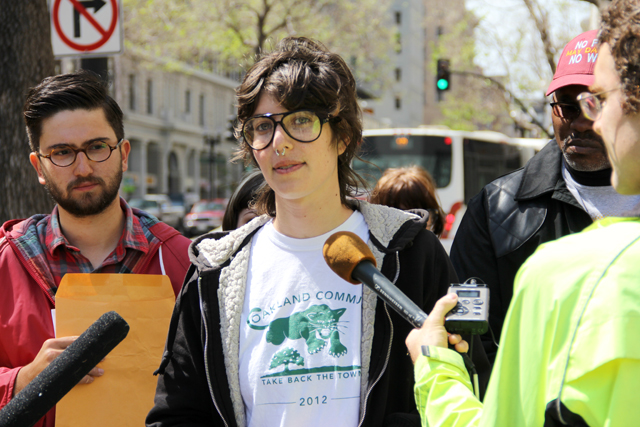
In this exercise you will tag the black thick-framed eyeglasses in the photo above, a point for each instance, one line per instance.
(301, 125)
(65, 155)
(566, 110)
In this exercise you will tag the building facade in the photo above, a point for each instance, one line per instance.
(177, 120)
(401, 102)
(410, 98)
(427, 30)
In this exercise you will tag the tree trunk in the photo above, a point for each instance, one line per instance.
(26, 58)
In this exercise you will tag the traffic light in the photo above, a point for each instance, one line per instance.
(443, 75)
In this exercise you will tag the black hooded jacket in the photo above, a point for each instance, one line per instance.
(193, 387)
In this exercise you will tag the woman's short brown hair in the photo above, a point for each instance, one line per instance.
(302, 74)
(621, 30)
(410, 188)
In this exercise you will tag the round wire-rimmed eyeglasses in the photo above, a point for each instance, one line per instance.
(301, 125)
(65, 155)
(592, 103)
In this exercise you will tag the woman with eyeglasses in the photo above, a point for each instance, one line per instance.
(264, 333)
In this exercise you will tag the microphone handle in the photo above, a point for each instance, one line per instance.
(368, 274)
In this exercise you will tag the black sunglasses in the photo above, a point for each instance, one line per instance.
(566, 110)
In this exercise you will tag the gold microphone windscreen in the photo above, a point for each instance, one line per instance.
(343, 251)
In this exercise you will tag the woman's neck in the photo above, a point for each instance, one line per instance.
(303, 220)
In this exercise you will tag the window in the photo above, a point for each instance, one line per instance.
(187, 101)
(398, 74)
(485, 161)
(398, 103)
(426, 45)
(398, 44)
(430, 152)
(201, 109)
(132, 92)
(398, 18)
(149, 96)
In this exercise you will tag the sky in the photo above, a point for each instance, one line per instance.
(508, 43)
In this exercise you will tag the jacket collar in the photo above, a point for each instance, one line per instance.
(542, 174)
(390, 230)
(214, 249)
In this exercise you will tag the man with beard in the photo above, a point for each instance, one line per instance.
(79, 152)
(561, 190)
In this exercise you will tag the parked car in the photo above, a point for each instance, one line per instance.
(205, 215)
(160, 206)
(186, 200)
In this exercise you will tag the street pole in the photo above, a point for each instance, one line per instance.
(100, 66)
(211, 152)
(212, 141)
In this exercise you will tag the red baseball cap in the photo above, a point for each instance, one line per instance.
(576, 63)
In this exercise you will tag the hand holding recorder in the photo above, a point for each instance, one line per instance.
(351, 259)
(433, 331)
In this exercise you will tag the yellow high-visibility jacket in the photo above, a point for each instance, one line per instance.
(570, 349)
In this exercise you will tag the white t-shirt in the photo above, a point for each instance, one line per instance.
(601, 201)
(300, 334)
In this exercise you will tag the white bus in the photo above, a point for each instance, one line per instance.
(460, 162)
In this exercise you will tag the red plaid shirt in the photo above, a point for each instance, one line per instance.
(47, 246)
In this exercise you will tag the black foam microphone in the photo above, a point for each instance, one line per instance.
(64, 372)
(350, 258)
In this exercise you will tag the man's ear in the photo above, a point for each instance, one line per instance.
(125, 150)
(35, 162)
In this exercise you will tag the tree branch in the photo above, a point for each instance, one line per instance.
(515, 99)
(233, 27)
(540, 19)
(289, 18)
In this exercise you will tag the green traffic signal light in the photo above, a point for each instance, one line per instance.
(442, 84)
(443, 75)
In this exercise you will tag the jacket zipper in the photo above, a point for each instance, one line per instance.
(206, 358)
(384, 368)
(386, 361)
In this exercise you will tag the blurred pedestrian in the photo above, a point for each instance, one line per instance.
(240, 209)
(560, 191)
(409, 188)
(569, 352)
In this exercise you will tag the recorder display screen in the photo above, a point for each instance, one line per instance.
(468, 294)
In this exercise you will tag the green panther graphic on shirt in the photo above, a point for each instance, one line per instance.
(316, 325)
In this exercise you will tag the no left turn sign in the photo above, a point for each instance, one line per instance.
(86, 27)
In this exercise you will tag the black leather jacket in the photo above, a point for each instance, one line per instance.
(507, 221)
